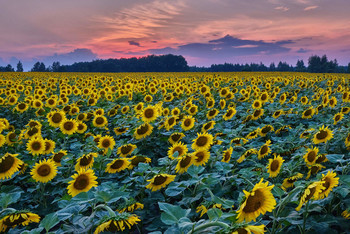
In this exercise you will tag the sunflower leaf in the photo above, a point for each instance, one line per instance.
(172, 214)
(49, 221)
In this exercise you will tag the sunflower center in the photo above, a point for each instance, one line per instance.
(12, 222)
(256, 104)
(80, 127)
(311, 156)
(314, 169)
(6, 163)
(57, 157)
(68, 125)
(337, 118)
(149, 113)
(175, 137)
(254, 202)
(200, 156)
(274, 165)
(171, 121)
(187, 122)
(226, 156)
(117, 164)
(322, 135)
(202, 141)
(36, 146)
(326, 184)
(47, 146)
(142, 130)
(44, 170)
(106, 143)
(12, 137)
(185, 162)
(242, 231)
(85, 160)
(126, 149)
(266, 129)
(212, 112)
(56, 118)
(312, 192)
(51, 102)
(99, 120)
(264, 149)
(178, 149)
(81, 182)
(308, 112)
(22, 106)
(277, 113)
(229, 112)
(192, 109)
(159, 180)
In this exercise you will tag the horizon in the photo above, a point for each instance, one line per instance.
(206, 32)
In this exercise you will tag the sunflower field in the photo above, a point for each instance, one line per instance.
(174, 153)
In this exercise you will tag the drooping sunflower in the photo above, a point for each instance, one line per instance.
(120, 130)
(160, 181)
(85, 161)
(106, 142)
(36, 146)
(238, 141)
(275, 165)
(226, 155)
(178, 147)
(184, 162)
(259, 201)
(149, 114)
(311, 155)
(9, 165)
(277, 113)
(117, 223)
(201, 157)
(329, 181)
(253, 134)
(175, 137)
(246, 154)
(229, 113)
(82, 181)
(44, 171)
(126, 150)
(306, 133)
(202, 142)
(307, 114)
(57, 157)
(222, 103)
(249, 229)
(69, 126)
(207, 126)
(257, 114)
(143, 131)
(337, 117)
(323, 135)
(314, 169)
(170, 122)
(311, 192)
(117, 165)
(130, 206)
(265, 130)
(187, 123)
(289, 182)
(55, 118)
(264, 150)
(17, 218)
(135, 160)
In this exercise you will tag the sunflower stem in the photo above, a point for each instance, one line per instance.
(8, 209)
(210, 224)
(107, 208)
(305, 215)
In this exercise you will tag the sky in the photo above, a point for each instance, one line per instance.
(205, 32)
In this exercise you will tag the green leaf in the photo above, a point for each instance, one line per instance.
(335, 158)
(8, 198)
(214, 213)
(174, 190)
(49, 221)
(172, 214)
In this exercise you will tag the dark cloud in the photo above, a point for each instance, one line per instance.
(302, 51)
(154, 41)
(78, 55)
(227, 47)
(135, 43)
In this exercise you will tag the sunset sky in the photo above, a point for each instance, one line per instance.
(203, 31)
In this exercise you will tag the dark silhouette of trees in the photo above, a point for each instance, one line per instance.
(322, 65)
(19, 67)
(8, 68)
(300, 66)
(348, 70)
(272, 67)
(38, 67)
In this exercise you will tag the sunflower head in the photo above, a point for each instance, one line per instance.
(203, 141)
(160, 181)
(85, 161)
(143, 131)
(226, 155)
(311, 192)
(187, 123)
(117, 165)
(44, 171)
(311, 156)
(175, 137)
(36, 146)
(275, 165)
(126, 150)
(82, 181)
(323, 135)
(16, 219)
(184, 162)
(117, 223)
(264, 150)
(69, 126)
(9, 165)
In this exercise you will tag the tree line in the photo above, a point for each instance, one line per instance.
(177, 63)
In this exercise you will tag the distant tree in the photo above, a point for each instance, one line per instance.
(55, 67)
(19, 67)
(9, 68)
(300, 66)
(348, 68)
(272, 67)
(283, 66)
(314, 64)
(38, 67)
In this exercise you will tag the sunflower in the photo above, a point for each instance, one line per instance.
(347, 140)
(18, 218)
(314, 169)
(337, 117)
(307, 114)
(249, 229)
(143, 131)
(21, 107)
(345, 110)
(229, 113)
(275, 165)
(345, 214)
(11, 138)
(160, 181)
(259, 201)
(117, 165)
(212, 113)
(329, 181)
(49, 146)
(226, 155)
(202, 209)
(176, 111)
(265, 130)
(9, 165)
(55, 118)
(246, 154)
(82, 181)
(149, 114)
(253, 134)
(311, 156)
(148, 98)
(170, 122)
(44, 171)
(57, 157)
(202, 142)
(85, 162)
(201, 157)
(106, 142)
(187, 123)
(175, 137)
(304, 100)
(306, 133)
(69, 126)
(264, 150)
(277, 113)
(135, 160)
(222, 103)
(81, 128)
(178, 147)
(184, 162)
(311, 192)
(207, 126)
(130, 206)
(117, 223)
(323, 135)
(99, 121)
(120, 130)
(36, 146)
(257, 104)
(125, 109)
(332, 102)
(289, 182)
(192, 110)
(126, 150)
